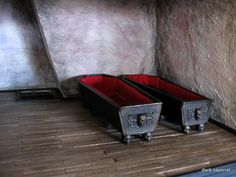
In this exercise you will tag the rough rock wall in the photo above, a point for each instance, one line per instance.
(23, 60)
(197, 49)
(91, 36)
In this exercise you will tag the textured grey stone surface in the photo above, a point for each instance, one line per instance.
(196, 48)
(23, 61)
(91, 36)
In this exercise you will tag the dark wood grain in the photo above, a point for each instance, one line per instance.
(61, 138)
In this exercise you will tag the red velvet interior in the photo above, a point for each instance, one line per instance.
(117, 90)
(165, 86)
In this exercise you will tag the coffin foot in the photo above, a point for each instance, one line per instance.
(148, 137)
(200, 127)
(107, 125)
(126, 139)
(186, 129)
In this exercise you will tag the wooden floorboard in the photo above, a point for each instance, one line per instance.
(41, 138)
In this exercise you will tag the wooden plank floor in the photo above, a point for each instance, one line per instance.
(41, 138)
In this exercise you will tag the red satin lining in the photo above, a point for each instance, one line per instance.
(117, 90)
(164, 86)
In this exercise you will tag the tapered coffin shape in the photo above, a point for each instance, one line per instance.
(180, 105)
(126, 108)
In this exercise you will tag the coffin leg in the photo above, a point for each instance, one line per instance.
(186, 129)
(200, 127)
(162, 117)
(126, 139)
(107, 125)
(148, 136)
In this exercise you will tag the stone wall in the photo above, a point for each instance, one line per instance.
(23, 60)
(196, 48)
(91, 36)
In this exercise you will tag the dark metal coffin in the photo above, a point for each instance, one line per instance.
(179, 104)
(126, 108)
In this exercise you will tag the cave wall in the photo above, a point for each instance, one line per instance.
(196, 48)
(23, 60)
(91, 36)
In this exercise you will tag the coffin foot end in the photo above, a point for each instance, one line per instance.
(186, 129)
(126, 139)
(148, 137)
(107, 125)
(200, 127)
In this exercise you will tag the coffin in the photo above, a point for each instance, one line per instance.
(126, 108)
(180, 105)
